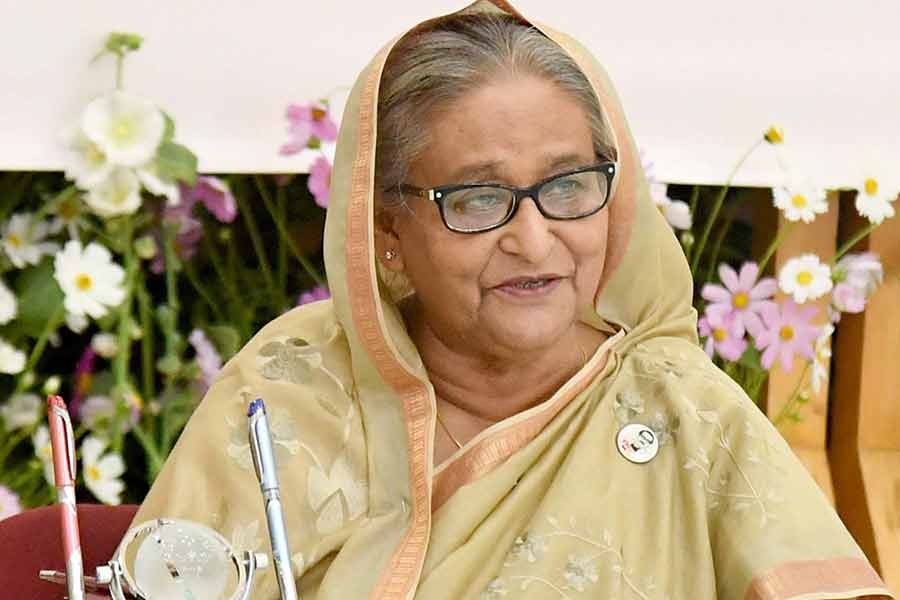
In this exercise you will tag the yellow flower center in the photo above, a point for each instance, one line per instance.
(798, 200)
(871, 186)
(786, 333)
(804, 278)
(740, 300)
(92, 473)
(123, 129)
(719, 334)
(84, 282)
(14, 240)
(95, 155)
(774, 135)
(318, 114)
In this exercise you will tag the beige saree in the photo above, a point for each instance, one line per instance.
(541, 505)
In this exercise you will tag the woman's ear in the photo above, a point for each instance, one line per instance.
(387, 240)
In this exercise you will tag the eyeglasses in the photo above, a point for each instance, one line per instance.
(474, 208)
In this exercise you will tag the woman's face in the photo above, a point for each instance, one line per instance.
(515, 131)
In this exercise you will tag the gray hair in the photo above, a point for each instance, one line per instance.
(429, 69)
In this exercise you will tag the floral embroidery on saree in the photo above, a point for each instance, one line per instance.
(601, 560)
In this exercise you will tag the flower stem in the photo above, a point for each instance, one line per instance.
(204, 293)
(720, 238)
(146, 315)
(789, 407)
(49, 327)
(120, 70)
(258, 246)
(155, 459)
(773, 245)
(720, 199)
(855, 239)
(123, 356)
(285, 234)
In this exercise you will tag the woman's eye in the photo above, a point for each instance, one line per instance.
(564, 186)
(479, 202)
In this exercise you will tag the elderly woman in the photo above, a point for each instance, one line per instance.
(505, 397)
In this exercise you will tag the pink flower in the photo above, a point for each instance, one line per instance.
(308, 126)
(723, 335)
(787, 331)
(9, 503)
(215, 196)
(208, 358)
(742, 296)
(320, 181)
(848, 299)
(320, 292)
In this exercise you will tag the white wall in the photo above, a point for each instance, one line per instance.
(700, 79)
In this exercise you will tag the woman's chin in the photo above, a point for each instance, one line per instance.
(522, 335)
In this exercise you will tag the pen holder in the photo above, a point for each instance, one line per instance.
(174, 558)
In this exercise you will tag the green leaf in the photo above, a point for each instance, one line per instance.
(175, 161)
(751, 359)
(169, 133)
(39, 296)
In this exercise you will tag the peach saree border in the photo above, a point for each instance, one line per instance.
(488, 451)
(397, 581)
(808, 579)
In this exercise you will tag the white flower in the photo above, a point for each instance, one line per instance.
(800, 202)
(77, 323)
(23, 240)
(805, 278)
(22, 410)
(580, 571)
(118, 194)
(861, 270)
(12, 360)
(149, 176)
(101, 473)
(676, 212)
(823, 354)
(85, 164)
(91, 281)
(44, 451)
(874, 202)
(8, 305)
(105, 344)
(127, 128)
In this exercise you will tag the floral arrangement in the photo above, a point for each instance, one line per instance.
(743, 326)
(127, 281)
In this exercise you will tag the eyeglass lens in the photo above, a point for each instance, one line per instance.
(568, 196)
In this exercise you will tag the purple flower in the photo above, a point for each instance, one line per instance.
(308, 124)
(320, 181)
(787, 331)
(742, 297)
(320, 292)
(208, 358)
(723, 335)
(9, 503)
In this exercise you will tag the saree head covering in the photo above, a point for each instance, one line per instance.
(542, 505)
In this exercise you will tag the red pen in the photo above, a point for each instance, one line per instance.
(62, 440)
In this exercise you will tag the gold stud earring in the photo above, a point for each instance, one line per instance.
(390, 255)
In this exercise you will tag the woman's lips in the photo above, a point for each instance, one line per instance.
(529, 287)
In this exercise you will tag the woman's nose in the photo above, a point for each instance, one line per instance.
(529, 234)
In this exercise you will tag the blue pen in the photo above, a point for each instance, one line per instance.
(264, 464)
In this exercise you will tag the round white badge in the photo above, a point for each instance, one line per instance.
(637, 443)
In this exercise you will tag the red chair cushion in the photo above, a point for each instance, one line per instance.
(31, 541)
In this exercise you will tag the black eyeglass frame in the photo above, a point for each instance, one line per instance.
(437, 194)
